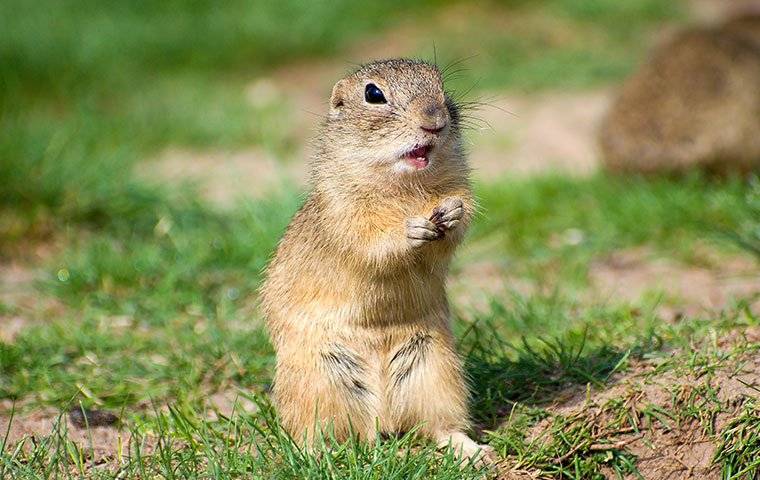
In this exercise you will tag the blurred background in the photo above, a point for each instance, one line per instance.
(229, 95)
(151, 154)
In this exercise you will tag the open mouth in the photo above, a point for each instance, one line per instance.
(418, 156)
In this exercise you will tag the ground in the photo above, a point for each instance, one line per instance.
(609, 325)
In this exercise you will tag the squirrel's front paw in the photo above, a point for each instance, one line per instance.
(420, 230)
(448, 214)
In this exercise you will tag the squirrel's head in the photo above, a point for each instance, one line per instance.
(394, 114)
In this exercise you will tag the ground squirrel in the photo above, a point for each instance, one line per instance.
(355, 296)
(696, 103)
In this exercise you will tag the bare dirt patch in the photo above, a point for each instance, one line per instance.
(224, 177)
(227, 402)
(14, 278)
(100, 444)
(629, 275)
(478, 283)
(20, 301)
(538, 134)
(15, 285)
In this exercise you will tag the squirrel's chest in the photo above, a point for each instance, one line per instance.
(384, 214)
(380, 224)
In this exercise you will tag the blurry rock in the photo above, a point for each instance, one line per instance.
(86, 418)
(747, 26)
(695, 104)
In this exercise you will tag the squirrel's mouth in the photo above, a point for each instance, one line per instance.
(418, 156)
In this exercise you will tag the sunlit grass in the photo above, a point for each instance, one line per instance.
(155, 290)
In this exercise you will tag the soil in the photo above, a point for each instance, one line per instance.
(690, 290)
(20, 301)
(100, 444)
(683, 449)
(679, 289)
(535, 134)
(224, 177)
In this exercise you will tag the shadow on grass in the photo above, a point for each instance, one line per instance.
(532, 370)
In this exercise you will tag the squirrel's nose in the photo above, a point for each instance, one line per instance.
(433, 117)
(434, 130)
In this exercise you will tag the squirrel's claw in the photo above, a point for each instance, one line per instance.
(420, 230)
(448, 214)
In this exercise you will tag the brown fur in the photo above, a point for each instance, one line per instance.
(696, 103)
(356, 306)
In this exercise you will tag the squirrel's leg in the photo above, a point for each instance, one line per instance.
(426, 387)
(331, 391)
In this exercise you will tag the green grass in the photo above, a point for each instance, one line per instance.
(182, 445)
(153, 291)
(88, 90)
(738, 452)
(549, 44)
(553, 227)
(175, 294)
(513, 380)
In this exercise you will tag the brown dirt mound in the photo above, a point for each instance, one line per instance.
(668, 416)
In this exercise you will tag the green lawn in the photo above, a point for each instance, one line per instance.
(175, 295)
(88, 90)
(154, 290)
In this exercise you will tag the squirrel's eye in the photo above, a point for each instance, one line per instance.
(372, 94)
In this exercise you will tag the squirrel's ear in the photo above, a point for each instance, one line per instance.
(338, 96)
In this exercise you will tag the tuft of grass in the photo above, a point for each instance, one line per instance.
(509, 362)
(589, 433)
(565, 44)
(739, 450)
(747, 235)
(178, 443)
